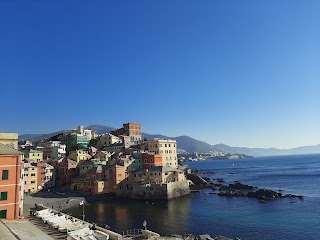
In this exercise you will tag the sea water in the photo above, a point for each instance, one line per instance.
(245, 218)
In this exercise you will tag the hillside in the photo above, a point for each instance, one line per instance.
(268, 151)
(184, 142)
(192, 145)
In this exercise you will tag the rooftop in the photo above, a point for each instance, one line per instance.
(6, 150)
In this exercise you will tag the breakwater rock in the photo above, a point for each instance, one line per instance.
(238, 189)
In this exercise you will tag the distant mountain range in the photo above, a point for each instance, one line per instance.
(192, 145)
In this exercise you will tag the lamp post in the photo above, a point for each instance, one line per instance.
(82, 203)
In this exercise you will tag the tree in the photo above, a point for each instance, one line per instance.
(78, 147)
(93, 142)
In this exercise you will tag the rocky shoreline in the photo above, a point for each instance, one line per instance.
(237, 189)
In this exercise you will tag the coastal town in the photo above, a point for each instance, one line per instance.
(118, 164)
(47, 175)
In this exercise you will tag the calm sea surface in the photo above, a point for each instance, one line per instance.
(244, 218)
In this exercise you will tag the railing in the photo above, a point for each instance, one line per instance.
(132, 233)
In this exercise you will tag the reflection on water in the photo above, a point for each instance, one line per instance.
(129, 214)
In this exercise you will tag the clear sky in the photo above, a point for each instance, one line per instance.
(243, 73)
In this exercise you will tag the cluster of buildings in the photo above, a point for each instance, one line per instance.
(119, 163)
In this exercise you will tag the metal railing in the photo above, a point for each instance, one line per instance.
(132, 233)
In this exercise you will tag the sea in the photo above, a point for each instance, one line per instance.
(245, 218)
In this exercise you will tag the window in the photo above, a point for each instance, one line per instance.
(5, 174)
(33, 174)
(33, 182)
(165, 145)
(4, 196)
(3, 213)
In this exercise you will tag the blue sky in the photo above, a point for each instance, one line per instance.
(243, 73)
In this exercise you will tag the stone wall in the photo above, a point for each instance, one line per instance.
(156, 191)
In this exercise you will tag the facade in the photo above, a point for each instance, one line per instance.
(107, 139)
(79, 155)
(104, 156)
(80, 136)
(49, 177)
(168, 150)
(11, 183)
(58, 151)
(150, 160)
(159, 174)
(133, 130)
(155, 183)
(41, 171)
(136, 161)
(85, 166)
(53, 149)
(116, 148)
(34, 155)
(77, 183)
(30, 177)
(66, 169)
(96, 181)
(9, 139)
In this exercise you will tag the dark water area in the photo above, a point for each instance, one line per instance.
(244, 218)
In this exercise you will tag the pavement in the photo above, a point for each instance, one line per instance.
(5, 232)
(24, 230)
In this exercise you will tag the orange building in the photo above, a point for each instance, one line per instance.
(11, 183)
(151, 160)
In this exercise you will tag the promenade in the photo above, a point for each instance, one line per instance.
(5, 232)
(22, 229)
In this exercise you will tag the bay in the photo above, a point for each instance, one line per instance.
(244, 218)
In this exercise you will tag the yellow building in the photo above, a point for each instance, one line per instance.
(159, 175)
(168, 150)
(107, 139)
(104, 156)
(31, 178)
(34, 155)
(78, 155)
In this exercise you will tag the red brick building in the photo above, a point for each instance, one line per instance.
(133, 130)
